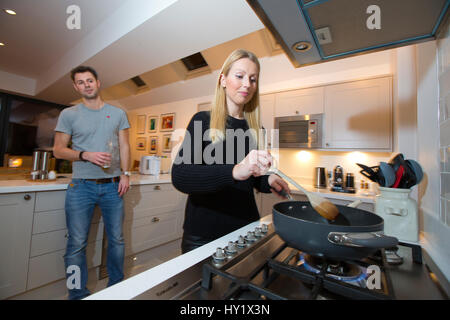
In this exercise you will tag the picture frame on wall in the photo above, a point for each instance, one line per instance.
(152, 123)
(141, 143)
(206, 106)
(167, 122)
(167, 143)
(153, 145)
(140, 124)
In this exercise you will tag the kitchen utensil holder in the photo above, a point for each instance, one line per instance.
(399, 212)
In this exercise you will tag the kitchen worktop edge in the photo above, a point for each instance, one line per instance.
(16, 186)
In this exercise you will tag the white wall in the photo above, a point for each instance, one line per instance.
(434, 83)
(277, 74)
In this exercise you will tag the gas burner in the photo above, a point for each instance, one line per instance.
(339, 270)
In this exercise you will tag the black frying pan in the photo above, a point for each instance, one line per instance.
(354, 235)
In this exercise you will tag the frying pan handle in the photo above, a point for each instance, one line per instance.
(363, 239)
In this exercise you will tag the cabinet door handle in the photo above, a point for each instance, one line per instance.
(27, 197)
(296, 112)
(155, 219)
(157, 188)
(327, 144)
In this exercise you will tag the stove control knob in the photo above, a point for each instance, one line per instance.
(258, 233)
(241, 242)
(250, 237)
(219, 255)
(231, 248)
(264, 228)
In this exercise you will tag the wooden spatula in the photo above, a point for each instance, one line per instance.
(323, 206)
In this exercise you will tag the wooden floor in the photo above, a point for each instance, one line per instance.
(133, 265)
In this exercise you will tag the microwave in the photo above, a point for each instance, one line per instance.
(303, 131)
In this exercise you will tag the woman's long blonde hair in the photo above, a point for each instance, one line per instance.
(219, 111)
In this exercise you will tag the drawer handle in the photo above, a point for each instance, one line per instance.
(66, 235)
(155, 219)
(27, 197)
(157, 188)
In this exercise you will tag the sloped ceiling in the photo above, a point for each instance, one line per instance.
(120, 39)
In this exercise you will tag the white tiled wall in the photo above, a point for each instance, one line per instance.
(443, 47)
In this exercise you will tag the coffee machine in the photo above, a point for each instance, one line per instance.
(339, 185)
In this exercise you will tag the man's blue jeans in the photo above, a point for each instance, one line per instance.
(81, 198)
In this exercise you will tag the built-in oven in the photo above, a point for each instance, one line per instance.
(305, 131)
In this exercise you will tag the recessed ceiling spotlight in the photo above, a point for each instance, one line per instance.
(9, 11)
(301, 46)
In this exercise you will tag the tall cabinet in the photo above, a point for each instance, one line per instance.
(358, 115)
(16, 216)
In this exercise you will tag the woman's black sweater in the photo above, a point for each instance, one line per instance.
(217, 204)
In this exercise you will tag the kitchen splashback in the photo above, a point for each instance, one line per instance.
(301, 163)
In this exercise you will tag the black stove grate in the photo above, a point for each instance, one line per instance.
(319, 282)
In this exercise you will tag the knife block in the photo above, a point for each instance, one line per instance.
(399, 212)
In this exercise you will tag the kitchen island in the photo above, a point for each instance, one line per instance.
(34, 234)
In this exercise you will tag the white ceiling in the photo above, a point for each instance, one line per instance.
(120, 39)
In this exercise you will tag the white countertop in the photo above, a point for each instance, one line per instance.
(13, 186)
(142, 282)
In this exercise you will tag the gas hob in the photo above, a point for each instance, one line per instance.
(261, 266)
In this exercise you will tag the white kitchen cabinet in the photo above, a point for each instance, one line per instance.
(358, 115)
(266, 113)
(16, 216)
(154, 215)
(299, 102)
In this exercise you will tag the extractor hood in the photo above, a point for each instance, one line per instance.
(314, 31)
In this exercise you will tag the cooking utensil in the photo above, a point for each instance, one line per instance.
(416, 168)
(321, 205)
(297, 224)
(386, 174)
(398, 176)
(369, 172)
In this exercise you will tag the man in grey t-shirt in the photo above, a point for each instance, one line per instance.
(100, 153)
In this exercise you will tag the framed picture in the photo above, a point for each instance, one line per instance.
(167, 144)
(152, 123)
(140, 143)
(167, 122)
(204, 106)
(153, 146)
(140, 124)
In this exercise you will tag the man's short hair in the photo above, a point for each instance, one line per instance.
(81, 69)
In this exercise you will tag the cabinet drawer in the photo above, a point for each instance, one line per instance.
(150, 202)
(47, 242)
(50, 200)
(145, 233)
(162, 187)
(50, 267)
(46, 221)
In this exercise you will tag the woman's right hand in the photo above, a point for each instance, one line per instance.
(256, 164)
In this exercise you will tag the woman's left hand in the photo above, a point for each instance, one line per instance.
(277, 184)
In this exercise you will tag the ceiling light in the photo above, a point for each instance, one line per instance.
(9, 11)
(301, 46)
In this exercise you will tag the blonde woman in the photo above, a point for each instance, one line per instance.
(219, 164)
